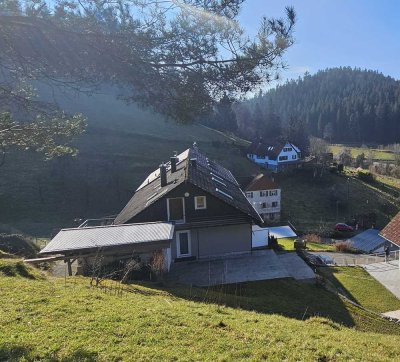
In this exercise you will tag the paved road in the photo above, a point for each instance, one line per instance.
(260, 265)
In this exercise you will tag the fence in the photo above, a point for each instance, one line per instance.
(361, 259)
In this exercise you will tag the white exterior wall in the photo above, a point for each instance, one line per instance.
(291, 155)
(257, 201)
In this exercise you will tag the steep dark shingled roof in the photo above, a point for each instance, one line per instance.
(206, 174)
(391, 231)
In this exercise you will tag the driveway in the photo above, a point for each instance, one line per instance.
(259, 265)
(388, 274)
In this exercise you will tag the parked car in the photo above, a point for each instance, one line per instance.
(327, 260)
(343, 227)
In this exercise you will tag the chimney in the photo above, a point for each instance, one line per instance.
(163, 175)
(193, 162)
(174, 161)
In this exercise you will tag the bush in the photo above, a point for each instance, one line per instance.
(313, 238)
(365, 176)
(17, 268)
(343, 246)
(18, 245)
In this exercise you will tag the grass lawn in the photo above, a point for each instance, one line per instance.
(287, 244)
(357, 284)
(315, 209)
(355, 151)
(50, 319)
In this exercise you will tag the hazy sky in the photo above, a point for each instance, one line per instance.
(332, 33)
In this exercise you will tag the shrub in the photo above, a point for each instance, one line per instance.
(343, 246)
(313, 238)
(18, 245)
(365, 176)
(17, 268)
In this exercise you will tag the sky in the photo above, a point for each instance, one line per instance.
(333, 33)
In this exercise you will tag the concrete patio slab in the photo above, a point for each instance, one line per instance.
(260, 265)
(388, 274)
(296, 266)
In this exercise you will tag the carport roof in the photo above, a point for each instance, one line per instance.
(367, 241)
(78, 239)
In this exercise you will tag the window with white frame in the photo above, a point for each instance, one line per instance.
(263, 193)
(294, 157)
(283, 158)
(275, 204)
(273, 193)
(176, 209)
(249, 195)
(264, 205)
(200, 203)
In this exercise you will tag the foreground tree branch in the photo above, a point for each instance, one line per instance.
(178, 57)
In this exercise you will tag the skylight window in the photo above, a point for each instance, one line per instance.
(217, 177)
(224, 193)
(216, 180)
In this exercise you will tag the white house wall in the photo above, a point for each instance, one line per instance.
(291, 155)
(257, 201)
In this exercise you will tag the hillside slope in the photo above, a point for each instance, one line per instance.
(122, 145)
(57, 319)
(341, 104)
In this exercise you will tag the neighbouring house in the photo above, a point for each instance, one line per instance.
(275, 156)
(265, 196)
(391, 232)
(189, 208)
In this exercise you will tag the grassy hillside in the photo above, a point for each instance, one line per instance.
(50, 319)
(355, 151)
(122, 145)
(310, 203)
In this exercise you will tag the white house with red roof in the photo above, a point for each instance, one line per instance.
(265, 196)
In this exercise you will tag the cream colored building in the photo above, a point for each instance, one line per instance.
(265, 196)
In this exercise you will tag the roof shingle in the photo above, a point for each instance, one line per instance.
(204, 173)
(262, 182)
(391, 231)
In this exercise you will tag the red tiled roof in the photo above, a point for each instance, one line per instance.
(262, 182)
(391, 231)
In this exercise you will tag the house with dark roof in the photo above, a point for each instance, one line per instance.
(210, 212)
(189, 208)
(265, 196)
(275, 156)
(391, 232)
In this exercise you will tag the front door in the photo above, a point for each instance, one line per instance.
(183, 247)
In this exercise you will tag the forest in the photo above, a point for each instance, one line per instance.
(341, 105)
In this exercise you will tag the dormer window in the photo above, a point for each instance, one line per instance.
(200, 203)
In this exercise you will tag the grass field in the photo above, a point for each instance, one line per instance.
(355, 151)
(361, 288)
(50, 319)
(310, 203)
(122, 145)
(287, 244)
